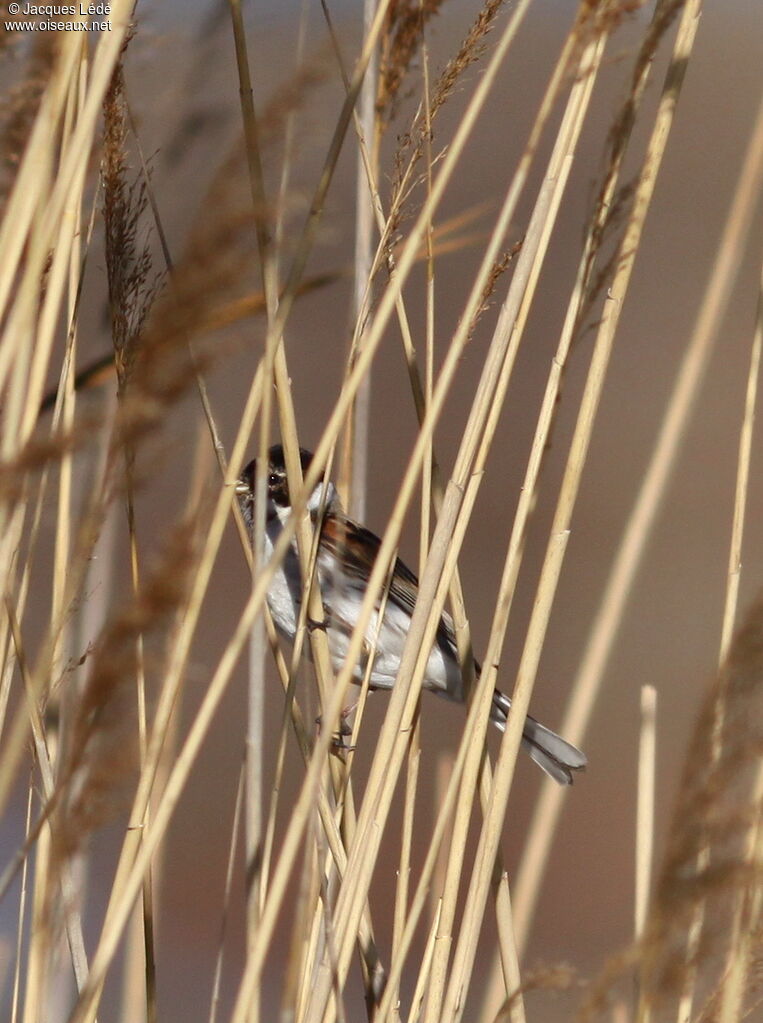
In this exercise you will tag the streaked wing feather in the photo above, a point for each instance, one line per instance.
(357, 548)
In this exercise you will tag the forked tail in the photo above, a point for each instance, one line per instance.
(557, 757)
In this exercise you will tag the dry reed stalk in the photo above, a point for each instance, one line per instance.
(288, 676)
(385, 254)
(70, 914)
(414, 749)
(72, 880)
(307, 237)
(41, 931)
(15, 230)
(40, 674)
(428, 469)
(345, 918)
(490, 834)
(276, 367)
(77, 167)
(420, 896)
(645, 806)
(506, 893)
(407, 834)
(49, 293)
(29, 369)
(253, 812)
(334, 808)
(326, 809)
(462, 628)
(588, 679)
(414, 143)
(719, 799)
(168, 694)
(415, 641)
(511, 323)
(293, 996)
(359, 423)
(158, 382)
(528, 666)
(742, 483)
(369, 163)
(132, 864)
(708, 321)
(101, 750)
(744, 945)
(134, 855)
(318, 921)
(506, 38)
(21, 912)
(131, 295)
(39, 934)
(150, 394)
(62, 405)
(63, 541)
(232, 852)
(46, 750)
(748, 909)
(140, 948)
(431, 483)
(291, 710)
(19, 859)
(419, 992)
(729, 615)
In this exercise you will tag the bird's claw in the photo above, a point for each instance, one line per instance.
(339, 744)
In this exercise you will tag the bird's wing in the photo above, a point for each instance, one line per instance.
(357, 548)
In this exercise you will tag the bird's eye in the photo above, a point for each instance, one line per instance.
(272, 480)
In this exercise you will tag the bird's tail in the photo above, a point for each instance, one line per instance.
(557, 757)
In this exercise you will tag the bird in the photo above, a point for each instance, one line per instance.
(346, 555)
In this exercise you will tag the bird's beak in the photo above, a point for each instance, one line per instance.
(242, 488)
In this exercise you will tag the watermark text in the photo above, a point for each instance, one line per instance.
(50, 17)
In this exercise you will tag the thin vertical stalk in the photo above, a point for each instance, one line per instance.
(422, 981)
(134, 856)
(21, 913)
(215, 1000)
(645, 806)
(589, 676)
(748, 903)
(520, 296)
(364, 253)
(253, 812)
(466, 948)
(644, 824)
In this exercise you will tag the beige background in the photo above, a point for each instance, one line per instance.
(180, 66)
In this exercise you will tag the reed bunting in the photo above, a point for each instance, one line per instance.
(346, 556)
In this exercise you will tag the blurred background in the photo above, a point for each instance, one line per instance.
(182, 85)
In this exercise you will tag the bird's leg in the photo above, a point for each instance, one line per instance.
(339, 745)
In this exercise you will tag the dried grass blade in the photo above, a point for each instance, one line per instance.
(520, 297)
(748, 906)
(645, 806)
(589, 675)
